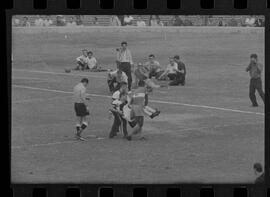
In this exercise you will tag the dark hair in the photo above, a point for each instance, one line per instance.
(84, 50)
(141, 83)
(254, 56)
(124, 42)
(151, 55)
(88, 52)
(258, 167)
(84, 80)
(176, 57)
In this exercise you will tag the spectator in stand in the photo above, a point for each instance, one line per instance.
(159, 22)
(72, 22)
(128, 20)
(220, 23)
(95, 21)
(177, 21)
(39, 21)
(140, 22)
(258, 170)
(60, 20)
(121, 18)
(25, 22)
(233, 23)
(153, 21)
(47, 21)
(250, 21)
(114, 21)
(78, 20)
(259, 22)
(16, 22)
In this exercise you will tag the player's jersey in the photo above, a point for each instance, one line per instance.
(138, 97)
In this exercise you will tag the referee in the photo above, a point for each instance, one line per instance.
(124, 60)
(255, 69)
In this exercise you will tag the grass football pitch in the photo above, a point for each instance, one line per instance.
(206, 132)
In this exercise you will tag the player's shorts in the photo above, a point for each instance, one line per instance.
(139, 120)
(81, 109)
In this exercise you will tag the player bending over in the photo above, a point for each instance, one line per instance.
(119, 100)
(115, 78)
(81, 109)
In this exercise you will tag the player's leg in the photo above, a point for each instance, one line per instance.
(259, 88)
(151, 112)
(115, 126)
(252, 89)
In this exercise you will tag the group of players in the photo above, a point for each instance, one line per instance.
(128, 106)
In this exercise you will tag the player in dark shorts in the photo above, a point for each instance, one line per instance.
(80, 107)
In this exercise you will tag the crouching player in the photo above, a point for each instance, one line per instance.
(80, 107)
(82, 61)
(119, 100)
(115, 78)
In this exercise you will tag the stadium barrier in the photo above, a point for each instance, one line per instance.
(182, 29)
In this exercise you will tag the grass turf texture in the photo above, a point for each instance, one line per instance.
(185, 143)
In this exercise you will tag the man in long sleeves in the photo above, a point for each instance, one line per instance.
(124, 59)
(255, 69)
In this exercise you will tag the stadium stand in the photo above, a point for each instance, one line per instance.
(167, 20)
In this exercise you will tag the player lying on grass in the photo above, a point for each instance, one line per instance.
(172, 73)
(80, 107)
(119, 99)
(115, 78)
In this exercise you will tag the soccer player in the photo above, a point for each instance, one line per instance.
(92, 61)
(119, 99)
(138, 101)
(182, 70)
(153, 66)
(255, 69)
(115, 78)
(82, 61)
(124, 59)
(80, 106)
(171, 72)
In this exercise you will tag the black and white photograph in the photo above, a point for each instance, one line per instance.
(139, 99)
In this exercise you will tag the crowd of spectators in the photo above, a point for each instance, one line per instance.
(137, 20)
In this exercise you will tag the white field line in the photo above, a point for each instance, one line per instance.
(59, 73)
(39, 100)
(102, 138)
(153, 101)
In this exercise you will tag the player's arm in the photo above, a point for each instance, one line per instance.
(259, 67)
(248, 68)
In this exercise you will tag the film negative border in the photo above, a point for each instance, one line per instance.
(222, 7)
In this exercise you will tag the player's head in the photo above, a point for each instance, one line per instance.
(84, 51)
(139, 65)
(254, 57)
(119, 72)
(257, 168)
(84, 81)
(89, 53)
(151, 57)
(171, 60)
(124, 44)
(123, 87)
(176, 58)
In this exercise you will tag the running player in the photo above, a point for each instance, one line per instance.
(115, 78)
(80, 107)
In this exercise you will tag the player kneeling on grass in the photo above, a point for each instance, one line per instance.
(115, 78)
(80, 107)
(119, 100)
(138, 103)
(82, 61)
